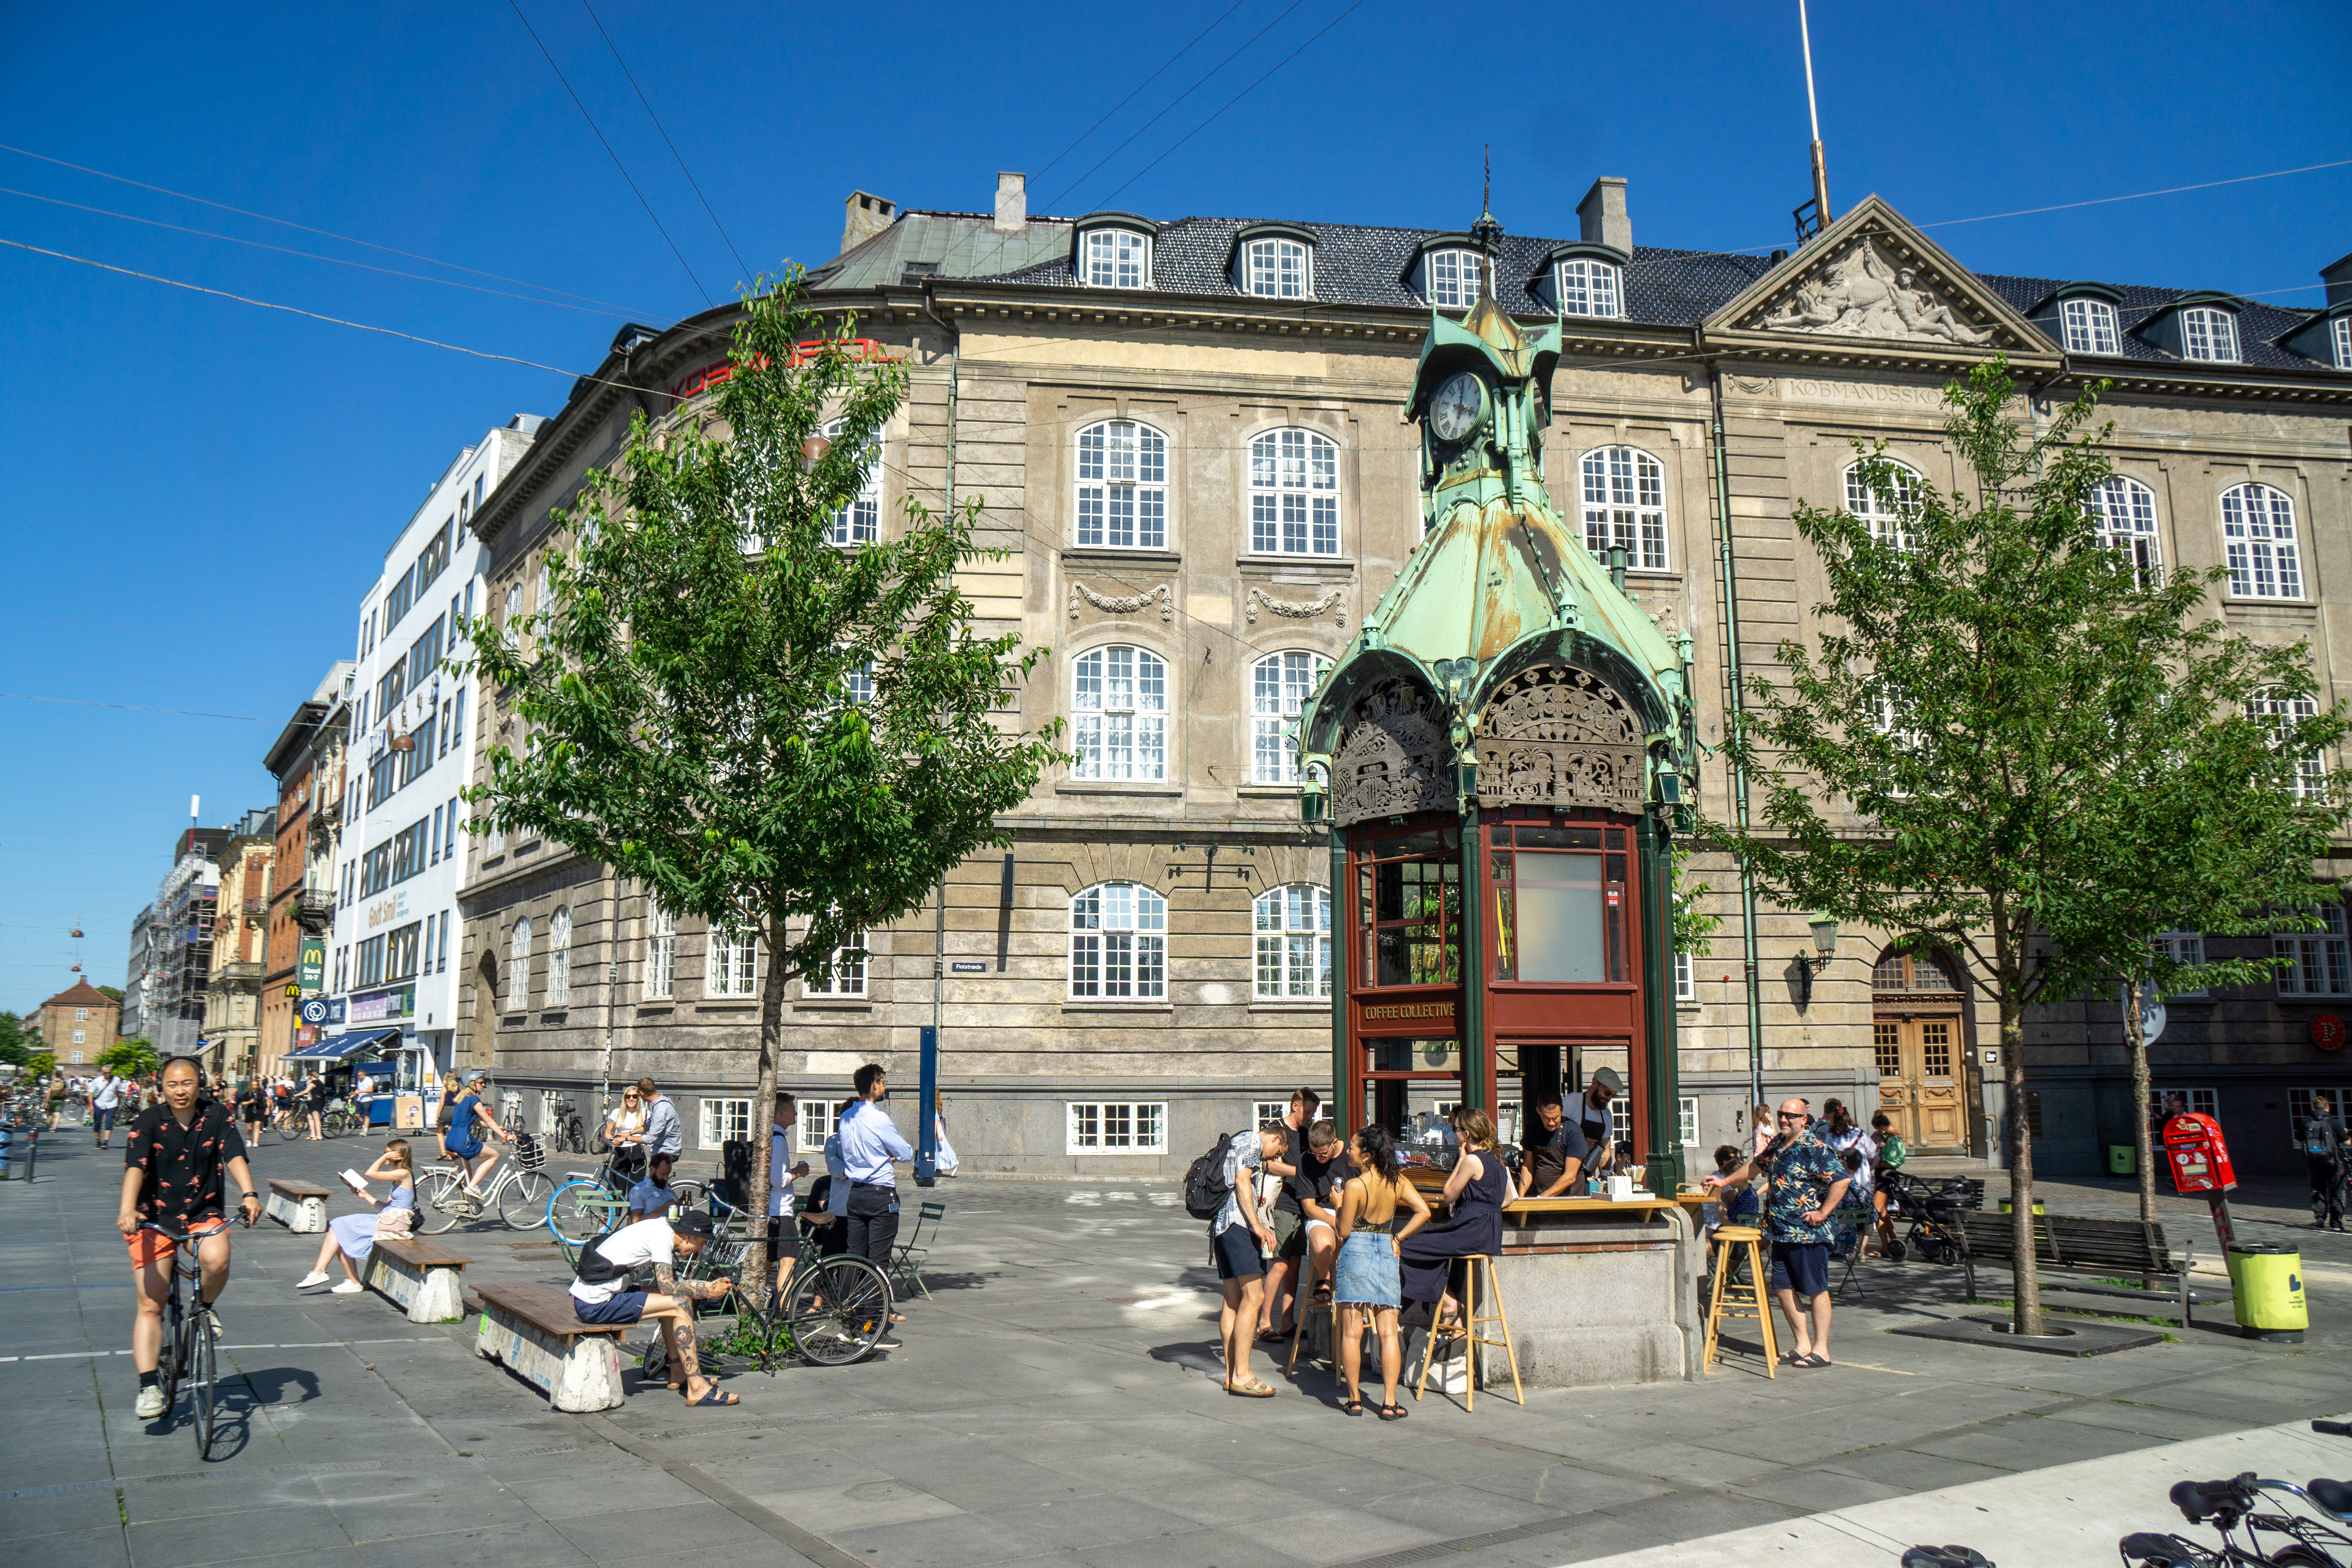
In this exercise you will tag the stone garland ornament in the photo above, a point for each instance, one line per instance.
(1391, 755)
(1557, 735)
(1295, 610)
(1861, 295)
(1123, 604)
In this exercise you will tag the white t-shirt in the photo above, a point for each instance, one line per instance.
(779, 1172)
(110, 1092)
(631, 1247)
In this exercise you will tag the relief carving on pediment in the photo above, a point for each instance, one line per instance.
(1861, 294)
(1558, 735)
(1391, 755)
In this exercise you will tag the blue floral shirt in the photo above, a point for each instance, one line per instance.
(1801, 1176)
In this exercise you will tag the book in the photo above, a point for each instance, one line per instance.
(353, 1180)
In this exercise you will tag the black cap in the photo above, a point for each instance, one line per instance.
(693, 1222)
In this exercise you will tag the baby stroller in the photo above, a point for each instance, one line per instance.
(1931, 1210)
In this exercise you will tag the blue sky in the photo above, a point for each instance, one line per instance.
(201, 489)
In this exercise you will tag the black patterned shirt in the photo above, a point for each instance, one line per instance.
(184, 1165)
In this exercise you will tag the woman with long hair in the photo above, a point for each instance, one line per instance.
(1364, 1274)
(1473, 1227)
(624, 1133)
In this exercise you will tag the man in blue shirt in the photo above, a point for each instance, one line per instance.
(1808, 1182)
(652, 1198)
(661, 1135)
(870, 1145)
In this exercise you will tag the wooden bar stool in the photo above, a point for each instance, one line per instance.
(1729, 1297)
(1479, 1263)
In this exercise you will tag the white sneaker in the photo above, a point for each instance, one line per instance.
(345, 1288)
(316, 1276)
(151, 1402)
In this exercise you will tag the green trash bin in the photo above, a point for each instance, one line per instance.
(2123, 1160)
(2039, 1206)
(2266, 1290)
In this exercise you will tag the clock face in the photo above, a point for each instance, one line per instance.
(1454, 413)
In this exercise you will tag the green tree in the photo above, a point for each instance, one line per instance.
(2010, 745)
(793, 738)
(113, 992)
(16, 1044)
(129, 1058)
(40, 1065)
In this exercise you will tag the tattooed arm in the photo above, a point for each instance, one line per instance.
(689, 1290)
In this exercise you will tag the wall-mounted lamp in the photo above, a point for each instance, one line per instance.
(1825, 935)
(813, 451)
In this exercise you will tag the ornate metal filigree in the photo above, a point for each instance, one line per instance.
(1123, 604)
(1295, 610)
(1391, 755)
(1557, 735)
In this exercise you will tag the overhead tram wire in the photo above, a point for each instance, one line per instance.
(2136, 195)
(1138, 87)
(665, 140)
(304, 228)
(130, 707)
(590, 119)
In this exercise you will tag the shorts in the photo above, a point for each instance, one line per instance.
(102, 1118)
(1289, 1233)
(149, 1249)
(624, 1307)
(1802, 1266)
(1236, 1250)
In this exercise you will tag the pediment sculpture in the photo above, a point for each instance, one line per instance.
(1862, 295)
(1558, 735)
(1391, 756)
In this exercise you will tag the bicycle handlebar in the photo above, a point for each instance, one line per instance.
(2332, 1428)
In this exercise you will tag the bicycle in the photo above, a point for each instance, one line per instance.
(833, 1313)
(568, 1135)
(191, 1342)
(586, 1205)
(2230, 1505)
(521, 1192)
(342, 1117)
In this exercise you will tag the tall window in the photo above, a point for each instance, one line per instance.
(1278, 687)
(558, 959)
(2090, 327)
(2283, 712)
(2182, 947)
(730, 964)
(1294, 494)
(1118, 942)
(2340, 334)
(2126, 511)
(1626, 503)
(1890, 516)
(724, 1122)
(1588, 287)
(1123, 486)
(1119, 708)
(859, 522)
(2258, 534)
(2209, 334)
(815, 1123)
(1294, 943)
(1117, 258)
(1454, 279)
(661, 954)
(519, 966)
(2317, 962)
(1685, 981)
(845, 974)
(1278, 269)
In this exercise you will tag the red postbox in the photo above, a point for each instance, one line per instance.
(2200, 1160)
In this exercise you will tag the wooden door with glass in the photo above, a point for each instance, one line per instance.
(1917, 1035)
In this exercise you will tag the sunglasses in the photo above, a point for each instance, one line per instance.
(1792, 1116)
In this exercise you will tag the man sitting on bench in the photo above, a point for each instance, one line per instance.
(600, 1295)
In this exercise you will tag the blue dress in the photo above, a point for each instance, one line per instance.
(355, 1233)
(1474, 1229)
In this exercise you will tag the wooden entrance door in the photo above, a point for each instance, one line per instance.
(1918, 1078)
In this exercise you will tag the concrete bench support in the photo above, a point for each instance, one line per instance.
(579, 1365)
(426, 1282)
(300, 1206)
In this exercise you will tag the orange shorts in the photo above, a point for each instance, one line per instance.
(148, 1248)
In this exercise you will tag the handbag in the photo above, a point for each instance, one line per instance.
(392, 1225)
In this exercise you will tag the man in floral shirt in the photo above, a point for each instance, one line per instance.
(172, 1177)
(1808, 1182)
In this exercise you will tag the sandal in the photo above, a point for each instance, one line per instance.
(1817, 1359)
(714, 1394)
(1393, 1412)
(1272, 1336)
(1352, 1407)
(1251, 1390)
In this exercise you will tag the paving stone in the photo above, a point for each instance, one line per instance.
(958, 1541)
(254, 1533)
(24, 1518)
(535, 1546)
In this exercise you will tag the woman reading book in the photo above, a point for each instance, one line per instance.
(351, 1238)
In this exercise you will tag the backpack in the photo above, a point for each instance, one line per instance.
(1206, 1191)
(595, 1268)
(2316, 1139)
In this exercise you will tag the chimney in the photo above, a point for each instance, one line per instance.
(2337, 276)
(1011, 203)
(1602, 213)
(865, 217)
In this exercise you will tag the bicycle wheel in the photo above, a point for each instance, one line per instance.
(167, 1372)
(837, 1310)
(437, 1201)
(201, 1385)
(522, 1203)
(690, 1194)
(579, 1212)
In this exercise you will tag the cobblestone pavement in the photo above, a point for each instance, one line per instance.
(1055, 1404)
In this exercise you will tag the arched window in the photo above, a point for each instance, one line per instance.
(661, 954)
(1588, 287)
(2258, 532)
(1294, 494)
(1118, 942)
(1454, 279)
(859, 522)
(2210, 335)
(558, 959)
(1626, 503)
(519, 966)
(2126, 511)
(1118, 708)
(1278, 687)
(1122, 486)
(1293, 938)
(1117, 258)
(1890, 516)
(1278, 269)
(2090, 327)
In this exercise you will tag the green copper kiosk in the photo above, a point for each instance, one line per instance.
(1500, 755)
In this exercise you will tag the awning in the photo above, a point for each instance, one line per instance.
(335, 1048)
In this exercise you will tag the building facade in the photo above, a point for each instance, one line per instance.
(1186, 436)
(231, 1034)
(76, 1025)
(180, 943)
(307, 761)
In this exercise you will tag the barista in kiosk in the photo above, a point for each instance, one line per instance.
(1592, 1113)
(1557, 1152)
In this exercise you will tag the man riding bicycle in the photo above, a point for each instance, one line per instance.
(172, 1177)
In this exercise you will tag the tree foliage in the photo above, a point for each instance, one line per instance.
(129, 1058)
(18, 1043)
(2008, 743)
(785, 734)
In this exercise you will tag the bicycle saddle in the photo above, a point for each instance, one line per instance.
(2335, 1497)
(1944, 1557)
(2198, 1501)
(2145, 1550)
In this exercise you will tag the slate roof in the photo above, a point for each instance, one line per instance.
(81, 993)
(1358, 264)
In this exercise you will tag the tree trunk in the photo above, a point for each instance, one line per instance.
(2144, 1159)
(763, 1114)
(2027, 1316)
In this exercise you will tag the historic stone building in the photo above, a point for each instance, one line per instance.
(76, 1025)
(307, 761)
(1187, 435)
(231, 1034)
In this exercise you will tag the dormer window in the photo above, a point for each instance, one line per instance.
(1117, 259)
(2091, 327)
(2209, 334)
(2340, 335)
(1278, 269)
(1455, 277)
(1589, 287)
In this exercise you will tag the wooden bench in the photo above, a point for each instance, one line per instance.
(428, 1281)
(2083, 1257)
(533, 1329)
(300, 1206)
